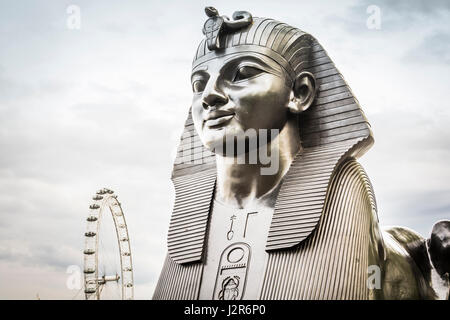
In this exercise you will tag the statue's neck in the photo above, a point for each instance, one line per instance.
(249, 184)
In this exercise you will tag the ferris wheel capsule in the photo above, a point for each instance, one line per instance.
(89, 251)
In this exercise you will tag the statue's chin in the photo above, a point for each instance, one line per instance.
(237, 147)
(221, 150)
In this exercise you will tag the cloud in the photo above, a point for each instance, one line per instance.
(434, 48)
(49, 255)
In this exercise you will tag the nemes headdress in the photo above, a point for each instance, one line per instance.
(288, 46)
(332, 130)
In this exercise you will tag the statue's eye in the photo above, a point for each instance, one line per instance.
(198, 86)
(246, 72)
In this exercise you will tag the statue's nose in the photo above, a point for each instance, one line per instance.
(213, 96)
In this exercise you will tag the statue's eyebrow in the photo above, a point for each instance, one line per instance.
(265, 63)
(252, 59)
(199, 71)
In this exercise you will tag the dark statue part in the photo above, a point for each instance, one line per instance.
(439, 248)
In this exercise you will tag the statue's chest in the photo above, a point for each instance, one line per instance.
(235, 253)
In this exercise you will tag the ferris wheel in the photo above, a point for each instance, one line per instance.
(98, 274)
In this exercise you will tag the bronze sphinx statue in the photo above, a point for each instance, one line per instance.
(270, 200)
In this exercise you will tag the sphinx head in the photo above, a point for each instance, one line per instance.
(249, 73)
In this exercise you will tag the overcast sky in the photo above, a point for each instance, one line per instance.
(104, 105)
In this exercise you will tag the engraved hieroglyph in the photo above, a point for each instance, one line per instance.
(232, 273)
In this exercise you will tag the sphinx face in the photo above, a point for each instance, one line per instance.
(235, 93)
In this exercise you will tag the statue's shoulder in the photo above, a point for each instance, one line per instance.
(351, 182)
(351, 198)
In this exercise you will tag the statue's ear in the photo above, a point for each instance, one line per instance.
(303, 92)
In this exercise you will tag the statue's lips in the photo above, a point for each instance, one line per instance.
(217, 118)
